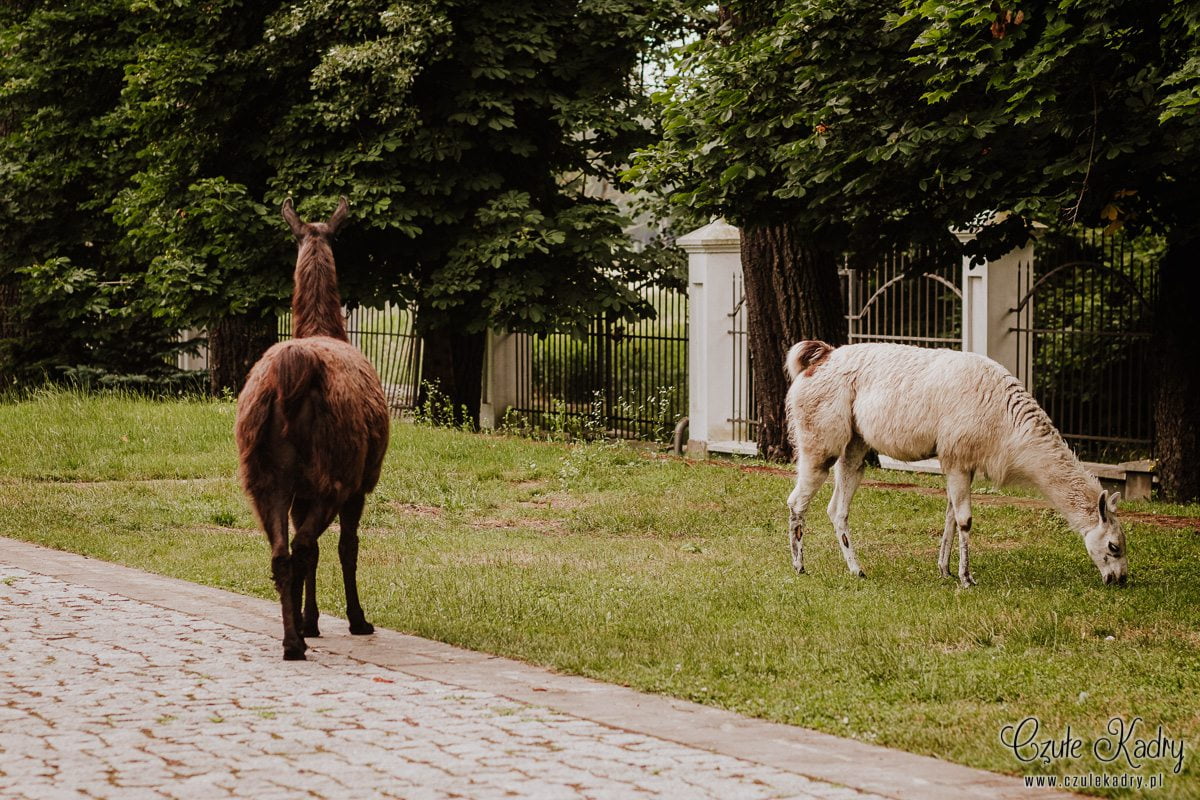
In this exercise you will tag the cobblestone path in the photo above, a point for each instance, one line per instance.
(107, 697)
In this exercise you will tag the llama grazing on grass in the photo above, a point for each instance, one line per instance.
(912, 403)
(312, 428)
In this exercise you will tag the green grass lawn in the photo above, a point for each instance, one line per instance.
(665, 575)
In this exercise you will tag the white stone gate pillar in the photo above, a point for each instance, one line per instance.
(499, 376)
(714, 259)
(991, 292)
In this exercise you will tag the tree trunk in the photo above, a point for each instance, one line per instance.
(235, 344)
(792, 293)
(1177, 372)
(10, 330)
(451, 376)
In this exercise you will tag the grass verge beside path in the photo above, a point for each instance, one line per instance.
(668, 576)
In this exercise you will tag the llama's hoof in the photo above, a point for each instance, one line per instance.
(294, 655)
(946, 573)
(967, 581)
(862, 574)
(361, 628)
(799, 570)
(311, 630)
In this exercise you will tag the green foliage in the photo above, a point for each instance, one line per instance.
(1093, 104)
(472, 153)
(438, 410)
(61, 71)
(805, 111)
(865, 124)
(149, 145)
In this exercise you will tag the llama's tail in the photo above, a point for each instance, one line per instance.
(276, 385)
(806, 355)
(297, 371)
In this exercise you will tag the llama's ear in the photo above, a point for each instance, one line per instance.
(293, 221)
(339, 216)
(1107, 504)
(1112, 501)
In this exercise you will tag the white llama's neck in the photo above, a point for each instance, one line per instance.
(1073, 490)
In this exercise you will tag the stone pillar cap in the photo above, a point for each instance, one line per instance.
(717, 236)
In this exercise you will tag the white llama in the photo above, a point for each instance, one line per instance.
(912, 403)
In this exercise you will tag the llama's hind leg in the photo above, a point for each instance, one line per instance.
(958, 488)
(311, 614)
(316, 519)
(947, 536)
(348, 554)
(273, 513)
(810, 474)
(847, 473)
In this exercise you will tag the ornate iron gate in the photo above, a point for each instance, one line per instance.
(1088, 313)
(908, 298)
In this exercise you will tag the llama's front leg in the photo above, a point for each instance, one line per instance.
(958, 488)
(947, 535)
(809, 477)
(847, 473)
(348, 554)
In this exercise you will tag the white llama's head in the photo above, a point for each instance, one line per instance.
(1105, 541)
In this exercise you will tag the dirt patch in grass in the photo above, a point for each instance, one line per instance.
(547, 527)
(889, 485)
(559, 501)
(1163, 520)
(416, 509)
(752, 468)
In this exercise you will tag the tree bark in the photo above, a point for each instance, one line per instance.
(1177, 372)
(792, 293)
(452, 365)
(10, 330)
(235, 344)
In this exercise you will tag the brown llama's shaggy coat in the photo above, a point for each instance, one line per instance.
(312, 429)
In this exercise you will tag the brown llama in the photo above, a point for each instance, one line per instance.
(312, 428)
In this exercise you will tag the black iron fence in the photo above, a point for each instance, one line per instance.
(744, 422)
(627, 380)
(1086, 317)
(385, 336)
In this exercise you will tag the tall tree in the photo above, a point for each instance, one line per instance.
(757, 122)
(469, 132)
(70, 291)
(466, 135)
(867, 127)
(200, 109)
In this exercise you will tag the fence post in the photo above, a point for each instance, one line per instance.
(714, 259)
(499, 377)
(990, 293)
